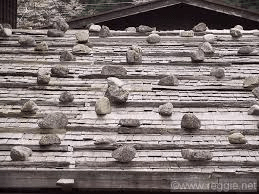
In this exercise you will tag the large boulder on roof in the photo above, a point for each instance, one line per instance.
(251, 81)
(105, 32)
(27, 41)
(201, 27)
(254, 110)
(235, 33)
(129, 122)
(5, 32)
(113, 70)
(49, 139)
(95, 28)
(237, 138)
(66, 97)
(218, 72)
(67, 56)
(245, 50)
(55, 120)
(59, 23)
(134, 55)
(170, 80)
(196, 155)
(197, 56)
(153, 38)
(20, 153)
(30, 107)
(166, 109)
(190, 122)
(81, 49)
(144, 29)
(60, 71)
(42, 46)
(55, 33)
(124, 153)
(209, 38)
(117, 95)
(103, 106)
(43, 77)
(82, 36)
(207, 48)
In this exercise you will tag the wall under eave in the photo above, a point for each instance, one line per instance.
(181, 16)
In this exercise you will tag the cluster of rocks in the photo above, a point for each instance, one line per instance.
(134, 55)
(236, 32)
(58, 27)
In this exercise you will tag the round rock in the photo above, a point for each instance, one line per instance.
(190, 122)
(235, 33)
(30, 107)
(67, 56)
(166, 109)
(189, 33)
(131, 29)
(245, 50)
(20, 153)
(42, 46)
(170, 80)
(66, 97)
(26, 41)
(254, 110)
(53, 121)
(95, 28)
(237, 138)
(60, 71)
(50, 139)
(218, 72)
(103, 106)
(124, 153)
(153, 38)
(239, 27)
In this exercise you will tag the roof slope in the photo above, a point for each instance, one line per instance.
(221, 105)
(217, 6)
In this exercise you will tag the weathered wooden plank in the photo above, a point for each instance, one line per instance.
(220, 87)
(193, 104)
(169, 146)
(38, 148)
(24, 164)
(112, 179)
(32, 130)
(164, 164)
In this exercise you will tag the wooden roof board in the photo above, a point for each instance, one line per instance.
(221, 105)
(158, 4)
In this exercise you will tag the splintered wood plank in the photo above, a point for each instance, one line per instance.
(29, 164)
(168, 146)
(51, 148)
(164, 164)
(137, 179)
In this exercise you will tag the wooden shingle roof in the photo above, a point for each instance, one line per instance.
(221, 105)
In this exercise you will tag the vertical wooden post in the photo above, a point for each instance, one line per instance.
(8, 12)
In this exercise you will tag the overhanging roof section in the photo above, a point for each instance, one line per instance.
(158, 4)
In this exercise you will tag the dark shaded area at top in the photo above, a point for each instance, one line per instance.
(183, 17)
